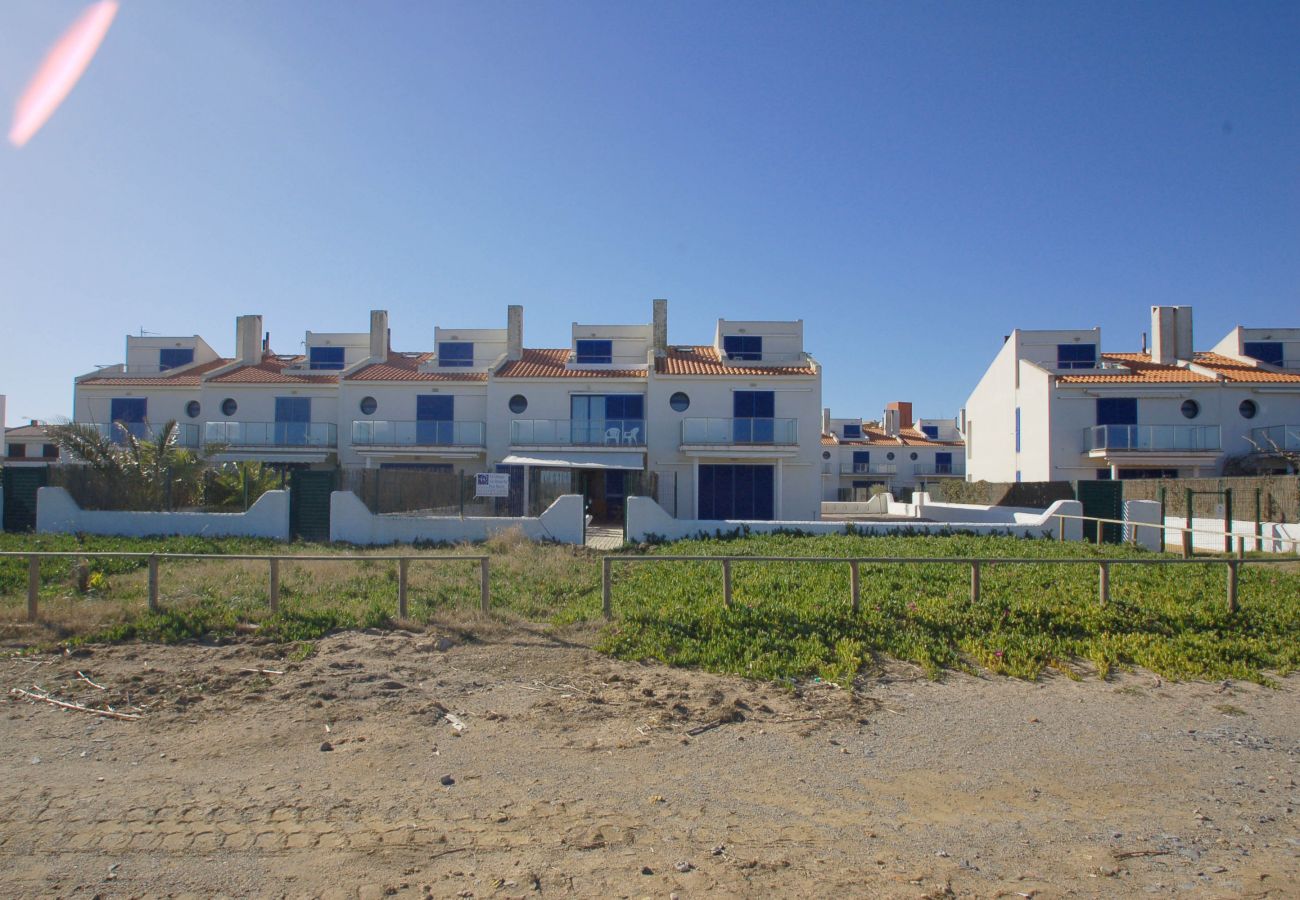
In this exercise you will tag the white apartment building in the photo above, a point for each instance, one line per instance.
(1052, 406)
(726, 430)
(897, 453)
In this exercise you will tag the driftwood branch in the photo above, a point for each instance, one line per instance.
(107, 713)
(82, 676)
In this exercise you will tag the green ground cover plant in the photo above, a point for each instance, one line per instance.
(787, 620)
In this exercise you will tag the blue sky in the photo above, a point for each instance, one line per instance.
(913, 180)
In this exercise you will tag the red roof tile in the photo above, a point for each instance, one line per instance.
(704, 360)
(1142, 371)
(187, 378)
(1236, 370)
(875, 437)
(407, 368)
(271, 371)
(549, 363)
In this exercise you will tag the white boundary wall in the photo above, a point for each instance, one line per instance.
(1209, 535)
(645, 518)
(353, 522)
(58, 513)
(1137, 515)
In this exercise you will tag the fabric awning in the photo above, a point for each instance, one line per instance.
(576, 459)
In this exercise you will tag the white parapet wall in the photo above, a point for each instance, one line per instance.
(646, 519)
(351, 521)
(1142, 524)
(1208, 535)
(58, 513)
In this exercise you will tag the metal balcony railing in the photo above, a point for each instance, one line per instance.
(578, 432)
(187, 435)
(940, 469)
(271, 434)
(1150, 438)
(869, 468)
(740, 431)
(1276, 437)
(372, 433)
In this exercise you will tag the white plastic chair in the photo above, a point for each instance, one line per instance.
(613, 435)
(632, 435)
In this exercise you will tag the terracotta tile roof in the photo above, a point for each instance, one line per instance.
(407, 368)
(1142, 371)
(875, 437)
(270, 371)
(1236, 370)
(704, 360)
(548, 363)
(188, 378)
(25, 431)
(829, 440)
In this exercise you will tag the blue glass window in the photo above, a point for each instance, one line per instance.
(326, 358)
(1264, 351)
(173, 357)
(943, 463)
(434, 419)
(595, 352)
(130, 412)
(455, 353)
(861, 461)
(743, 346)
(752, 416)
(292, 420)
(853, 431)
(1117, 411)
(930, 431)
(1076, 356)
(736, 492)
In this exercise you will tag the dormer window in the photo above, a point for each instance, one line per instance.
(174, 357)
(452, 354)
(853, 431)
(1076, 356)
(930, 431)
(743, 346)
(1265, 351)
(326, 357)
(594, 353)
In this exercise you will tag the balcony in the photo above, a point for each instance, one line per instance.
(187, 435)
(271, 435)
(869, 469)
(577, 432)
(371, 433)
(1275, 439)
(726, 432)
(940, 470)
(1101, 439)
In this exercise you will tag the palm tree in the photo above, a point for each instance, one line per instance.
(132, 472)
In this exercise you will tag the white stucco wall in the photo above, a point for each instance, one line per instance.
(352, 522)
(58, 513)
(1209, 535)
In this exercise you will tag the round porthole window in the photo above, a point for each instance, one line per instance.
(229, 407)
(368, 406)
(679, 402)
(518, 403)
(1191, 409)
(1248, 409)
(826, 454)
(889, 455)
(192, 409)
(913, 457)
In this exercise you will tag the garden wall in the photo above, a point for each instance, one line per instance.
(352, 521)
(58, 513)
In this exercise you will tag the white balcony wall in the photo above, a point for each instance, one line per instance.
(782, 341)
(356, 345)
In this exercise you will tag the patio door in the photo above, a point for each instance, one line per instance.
(435, 415)
(292, 420)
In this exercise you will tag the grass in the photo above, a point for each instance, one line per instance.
(787, 620)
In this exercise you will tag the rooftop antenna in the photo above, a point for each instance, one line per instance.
(150, 333)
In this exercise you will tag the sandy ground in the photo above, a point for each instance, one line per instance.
(578, 775)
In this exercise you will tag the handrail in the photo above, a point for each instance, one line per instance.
(34, 558)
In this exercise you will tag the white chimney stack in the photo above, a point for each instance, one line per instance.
(248, 340)
(661, 327)
(514, 332)
(1171, 334)
(379, 334)
(826, 420)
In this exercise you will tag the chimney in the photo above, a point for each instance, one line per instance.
(898, 415)
(826, 420)
(660, 337)
(514, 332)
(248, 331)
(1171, 334)
(379, 334)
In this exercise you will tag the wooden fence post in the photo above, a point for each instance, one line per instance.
(1232, 585)
(274, 591)
(1103, 583)
(607, 587)
(153, 582)
(485, 596)
(1060, 521)
(855, 585)
(726, 581)
(401, 586)
(33, 586)
(975, 581)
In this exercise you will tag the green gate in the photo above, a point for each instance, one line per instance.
(1102, 500)
(309, 503)
(20, 486)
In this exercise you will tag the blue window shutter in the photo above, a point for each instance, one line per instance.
(455, 354)
(172, 357)
(1116, 410)
(743, 346)
(853, 431)
(326, 358)
(592, 352)
(1264, 351)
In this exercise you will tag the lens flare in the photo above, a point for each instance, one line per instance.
(59, 73)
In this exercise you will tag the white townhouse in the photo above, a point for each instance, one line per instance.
(727, 430)
(898, 453)
(1052, 406)
(29, 445)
